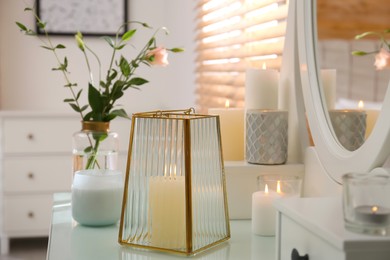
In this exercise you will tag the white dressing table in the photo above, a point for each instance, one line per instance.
(68, 240)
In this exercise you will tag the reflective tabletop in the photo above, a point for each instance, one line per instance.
(69, 240)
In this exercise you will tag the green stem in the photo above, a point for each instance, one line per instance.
(89, 68)
(98, 60)
(92, 161)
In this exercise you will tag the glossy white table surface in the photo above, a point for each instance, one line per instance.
(71, 241)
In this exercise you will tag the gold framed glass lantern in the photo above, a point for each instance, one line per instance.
(175, 194)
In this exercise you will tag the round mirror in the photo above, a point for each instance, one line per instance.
(335, 158)
(353, 86)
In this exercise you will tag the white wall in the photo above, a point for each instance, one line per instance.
(27, 82)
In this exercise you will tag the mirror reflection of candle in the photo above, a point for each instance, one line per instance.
(361, 105)
(372, 116)
(349, 125)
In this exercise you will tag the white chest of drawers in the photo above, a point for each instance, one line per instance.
(36, 161)
(315, 227)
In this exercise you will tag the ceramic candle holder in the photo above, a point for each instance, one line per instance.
(266, 136)
(271, 187)
(366, 202)
(349, 127)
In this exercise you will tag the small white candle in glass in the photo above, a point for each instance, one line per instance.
(366, 203)
(271, 187)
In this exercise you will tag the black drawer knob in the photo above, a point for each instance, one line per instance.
(295, 255)
(30, 214)
(30, 175)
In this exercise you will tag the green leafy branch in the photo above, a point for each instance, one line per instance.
(102, 97)
(383, 42)
(119, 76)
(62, 65)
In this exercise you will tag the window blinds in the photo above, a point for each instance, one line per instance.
(234, 35)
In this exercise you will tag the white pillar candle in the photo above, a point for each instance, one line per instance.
(232, 132)
(263, 212)
(167, 211)
(328, 77)
(261, 89)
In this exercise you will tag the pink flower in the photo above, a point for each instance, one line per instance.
(382, 59)
(158, 56)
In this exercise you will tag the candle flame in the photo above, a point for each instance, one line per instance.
(278, 190)
(374, 209)
(361, 104)
(227, 103)
(264, 66)
(266, 189)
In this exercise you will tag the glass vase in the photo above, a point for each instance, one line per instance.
(95, 147)
(97, 187)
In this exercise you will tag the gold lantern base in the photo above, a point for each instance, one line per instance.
(175, 194)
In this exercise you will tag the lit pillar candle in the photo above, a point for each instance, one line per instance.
(232, 131)
(263, 211)
(167, 211)
(261, 89)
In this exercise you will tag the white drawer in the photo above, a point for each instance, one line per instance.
(32, 135)
(37, 174)
(295, 236)
(27, 213)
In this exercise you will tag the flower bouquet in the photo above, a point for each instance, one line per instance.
(97, 185)
(109, 86)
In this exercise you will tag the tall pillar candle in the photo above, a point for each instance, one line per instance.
(232, 132)
(261, 89)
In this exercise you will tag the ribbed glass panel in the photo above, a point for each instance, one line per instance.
(209, 218)
(157, 209)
